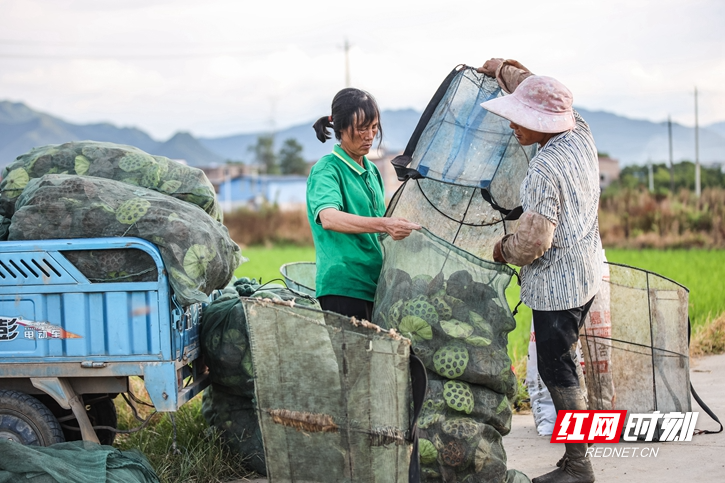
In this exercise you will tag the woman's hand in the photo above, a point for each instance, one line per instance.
(399, 228)
(490, 66)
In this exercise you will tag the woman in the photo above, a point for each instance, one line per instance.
(345, 207)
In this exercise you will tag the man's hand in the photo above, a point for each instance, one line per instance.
(399, 228)
(490, 66)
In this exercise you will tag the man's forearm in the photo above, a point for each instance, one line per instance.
(339, 221)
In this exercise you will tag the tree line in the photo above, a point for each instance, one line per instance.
(288, 160)
(683, 177)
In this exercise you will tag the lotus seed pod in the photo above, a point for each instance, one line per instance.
(461, 428)
(81, 165)
(454, 453)
(428, 452)
(420, 307)
(427, 420)
(458, 396)
(170, 186)
(459, 309)
(456, 329)
(395, 313)
(482, 454)
(135, 161)
(415, 328)
(132, 210)
(451, 360)
(443, 309)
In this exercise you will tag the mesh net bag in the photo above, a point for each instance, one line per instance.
(639, 359)
(196, 249)
(459, 142)
(236, 419)
(463, 167)
(333, 397)
(458, 214)
(112, 161)
(452, 306)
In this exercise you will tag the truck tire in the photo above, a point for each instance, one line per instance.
(26, 420)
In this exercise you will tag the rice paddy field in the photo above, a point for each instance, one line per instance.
(701, 271)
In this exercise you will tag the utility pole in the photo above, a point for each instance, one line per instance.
(672, 173)
(347, 63)
(651, 176)
(697, 151)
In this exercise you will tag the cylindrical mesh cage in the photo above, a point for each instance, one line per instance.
(636, 352)
(452, 306)
(300, 276)
(461, 142)
(333, 395)
(458, 214)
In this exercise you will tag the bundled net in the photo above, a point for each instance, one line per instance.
(196, 249)
(463, 167)
(636, 344)
(333, 395)
(228, 404)
(452, 306)
(112, 161)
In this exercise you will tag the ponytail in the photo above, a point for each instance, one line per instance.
(320, 126)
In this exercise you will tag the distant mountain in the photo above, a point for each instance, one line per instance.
(397, 126)
(22, 128)
(630, 141)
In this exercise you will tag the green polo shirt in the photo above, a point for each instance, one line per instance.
(347, 264)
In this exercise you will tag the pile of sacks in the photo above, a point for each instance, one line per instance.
(91, 189)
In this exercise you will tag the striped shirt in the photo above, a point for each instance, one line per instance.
(562, 184)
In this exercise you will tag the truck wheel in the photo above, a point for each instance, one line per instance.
(26, 420)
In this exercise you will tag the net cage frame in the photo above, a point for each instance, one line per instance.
(317, 415)
(666, 366)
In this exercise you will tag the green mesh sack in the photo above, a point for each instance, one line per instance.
(333, 395)
(112, 161)
(197, 251)
(4, 228)
(451, 305)
(235, 417)
(453, 308)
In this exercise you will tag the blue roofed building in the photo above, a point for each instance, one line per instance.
(286, 191)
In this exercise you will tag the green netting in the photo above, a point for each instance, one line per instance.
(453, 307)
(108, 160)
(639, 359)
(224, 339)
(333, 397)
(197, 251)
(236, 418)
(73, 462)
(4, 228)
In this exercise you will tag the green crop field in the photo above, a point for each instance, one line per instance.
(701, 271)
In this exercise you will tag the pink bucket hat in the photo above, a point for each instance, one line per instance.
(539, 103)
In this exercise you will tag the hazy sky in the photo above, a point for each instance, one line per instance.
(216, 67)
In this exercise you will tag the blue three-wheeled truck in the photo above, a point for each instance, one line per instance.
(69, 343)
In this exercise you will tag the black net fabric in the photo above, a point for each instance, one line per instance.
(466, 145)
(452, 306)
(197, 251)
(458, 214)
(638, 357)
(112, 161)
(333, 395)
(107, 266)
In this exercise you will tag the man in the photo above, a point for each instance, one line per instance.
(557, 241)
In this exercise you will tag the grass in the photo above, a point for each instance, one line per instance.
(701, 271)
(264, 262)
(200, 455)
